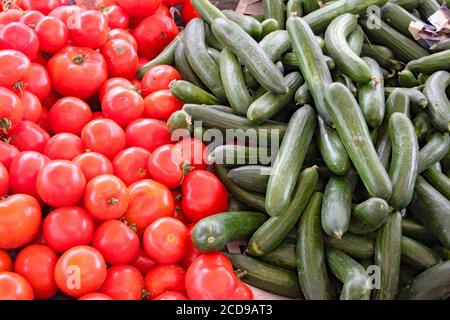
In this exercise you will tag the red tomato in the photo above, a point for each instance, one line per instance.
(4, 180)
(149, 200)
(139, 8)
(11, 110)
(32, 108)
(123, 283)
(79, 271)
(243, 292)
(142, 61)
(14, 287)
(165, 240)
(161, 104)
(171, 295)
(69, 115)
(147, 133)
(10, 15)
(117, 17)
(117, 242)
(143, 263)
(103, 136)
(6, 263)
(193, 152)
(77, 72)
(24, 171)
(124, 35)
(44, 120)
(203, 195)
(191, 251)
(7, 153)
(95, 296)
(178, 213)
(121, 58)
(188, 12)
(44, 6)
(164, 169)
(93, 164)
(31, 18)
(37, 81)
(162, 278)
(122, 105)
(163, 10)
(67, 227)
(65, 12)
(130, 165)
(112, 83)
(14, 66)
(52, 33)
(159, 78)
(60, 183)
(64, 146)
(20, 37)
(106, 197)
(153, 34)
(36, 263)
(28, 136)
(20, 218)
(88, 29)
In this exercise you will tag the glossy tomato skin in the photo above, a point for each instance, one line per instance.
(106, 197)
(121, 57)
(149, 200)
(96, 296)
(28, 136)
(60, 183)
(117, 17)
(162, 278)
(77, 72)
(117, 242)
(11, 109)
(79, 271)
(147, 133)
(14, 67)
(31, 18)
(37, 81)
(66, 13)
(20, 37)
(112, 83)
(159, 78)
(130, 165)
(10, 15)
(7, 153)
(93, 164)
(188, 12)
(67, 227)
(153, 34)
(89, 29)
(143, 263)
(171, 295)
(4, 180)
(161, 104)
(36, 263)
(139, 8)
(24, 171)
(32, 107)
(6, 263)
(20, 218)
(124, 35)
(18, 288)
(192, 151)
(123, 283)
(163, 168)
(203, 195)
(52, 33)
(165, 240)
(122, 105)
(104, 136)
(69, 114)
(64, 146)
(44, 6)
(164, 11)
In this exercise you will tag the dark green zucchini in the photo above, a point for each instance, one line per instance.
(357, 247)
(434, 151)
(418, 255)
(438, 104)
(252, 178)
(369, 215)
(282, 256)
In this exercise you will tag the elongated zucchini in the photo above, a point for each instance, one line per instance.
(294, 8)
(435, 150)
(311, 266)
(387, 257)
(429, 64)
(212, 233)
(282, 256)
(290, 60)
(415, 230)
(428, 7)
(211, 39)
(311, 62)
(438, 180)
(190, 93)
(407, 4)
(441, 46)
(355, 40)
(235, 155)
(184, 68)
(275, 9)
(397, 17)
(252, 178)
(357, 247)
(248, 23)
(207, 10)
(289, 160)
(438, 103)
(382, 55)
(418, 255)
(416, 98)
(369, 215)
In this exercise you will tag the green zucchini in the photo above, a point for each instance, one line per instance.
(268, 26)
(416, 98)
(397, 17)
(252, 178)
(434, 151)
(438, 103)
(232, 155)
(282, 256)
(369, 215)
(179, 120)
(289, 160)
(441, 45)
(387, 257)
(407, 79)
(190, 93)
(355, 40)
(432, 63)
(357, 247)
(236, 205)
(294, 8)
(427, 8)
(383, 56)
(443, 253)
(407, 4)
(302, 95)
(290, 60)
(184, 68)
(212, 233)
(211, 39)
(346, 81)
(310, 5)
(311, 265)
(418, 255)
(311, 62)
(438, 180)
(414, 229)
(422, 78)
(422, 125)
(207, 10)
(275, 9)
(248, 23)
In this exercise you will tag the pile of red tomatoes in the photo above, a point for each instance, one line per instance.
(93, 203)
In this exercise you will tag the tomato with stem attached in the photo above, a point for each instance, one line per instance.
(31, 18)
(122, 105)
(191, 151)
(11, 110)
(148, 134)
(162, 278)
(163, 167)
(93, 164)
(104, 136)
(64, 146)
(69, 114)
(14, 287)
(14, 66)
(37, 81)
(159, 78)
(123, 283)
(130, 165)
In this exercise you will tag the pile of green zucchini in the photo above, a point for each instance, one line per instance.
(356, 204)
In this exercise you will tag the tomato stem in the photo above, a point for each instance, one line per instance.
(5, 125)
(144, 293)
(113, 201)
(79, 59)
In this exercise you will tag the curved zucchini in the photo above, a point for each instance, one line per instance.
(434, 151)
(383, 56)
(355, 40)
(248, 23)
(282, 256)
(417, 255)
(190, 93)
(252, 178)
(369, 216)
(207, 10)
(275, 9)
(355, 246)
(438, 103)
(416, 97)
(438, 180)
(184, 68)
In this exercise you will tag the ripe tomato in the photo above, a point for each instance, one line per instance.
(79, 271)
(7, 153)
(106, 197)
(31, 18)
(165, 240)
(123, 283)
(191, 251)
(77, 72)
(191, 151)
(88, 29)
(24, 171)
(164, 169)
(178, 213)
(122, 105)
(171, 295)
(4, 180)
(64, 146)
(14, 66)
(95, 296)
(163, 10)
(162, 278)
(14, 287)
(52, 33)
(103, 136)
(36, 263)
(161, 104)
(112, 83)
(117, 242)
(149, 200)
(10, 15)
(147, 133)
(143, 263)
(6, 263)
(117, 17)
(159, 78)
(153, 34)
(65, 12)
(124, 35)
(32, 108)
(130, 165)
(28, 136)
(37, 81)
(67, 227)
(20, 37)
(44, 6)
(139, 8)
(60, 183)
(11, 110)
(142, 61)
(203, 195)
(93, 164)
(121, 57)
(20, 218)
(69, 115)
(188, 12)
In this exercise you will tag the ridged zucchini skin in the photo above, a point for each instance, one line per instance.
(432, 63)
(183, 67)
(416, 97)
(357, 247)
(252, 178)
(369, 215)
(236, 155)
(275, 9)
(438, 104)
(438, 180)
(248, 23)
(282, 256)
(418, 255)
(355, 40)
(428, 7)
(352, 129)
(190, 93)
(397, 17)
(434, 151)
